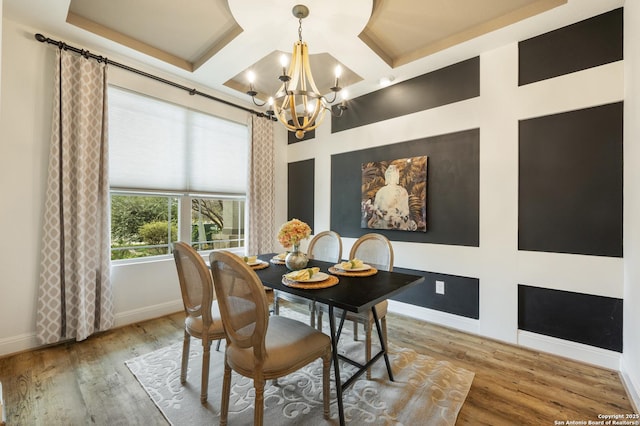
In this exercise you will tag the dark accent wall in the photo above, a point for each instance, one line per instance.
(570, 182)
(447, 85)
(461, 296)
(583, 318)
(300, 195)
(453, 174)
(589, 43)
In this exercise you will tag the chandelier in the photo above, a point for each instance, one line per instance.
(298, 104)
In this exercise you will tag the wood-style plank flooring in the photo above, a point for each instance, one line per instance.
(88, 383)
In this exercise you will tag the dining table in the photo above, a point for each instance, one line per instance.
(353, 292)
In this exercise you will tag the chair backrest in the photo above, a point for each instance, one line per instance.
(196, 284)
(375, 250)
(327, 246)
(242, 301)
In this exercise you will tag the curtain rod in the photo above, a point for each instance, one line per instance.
(87, 54)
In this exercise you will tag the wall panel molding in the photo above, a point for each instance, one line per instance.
(447, 85)
(452, 188)
(590, 43)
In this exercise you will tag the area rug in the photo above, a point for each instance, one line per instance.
(425, 391)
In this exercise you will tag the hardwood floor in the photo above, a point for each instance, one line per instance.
(88, 383)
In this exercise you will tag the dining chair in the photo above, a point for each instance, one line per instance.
(203, 320)
(259, 346)
(326, 246)
(375, 250)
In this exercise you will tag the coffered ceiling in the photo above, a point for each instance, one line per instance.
(215, 42)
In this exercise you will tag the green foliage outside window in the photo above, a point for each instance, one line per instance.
(140, 224)
(139, 221)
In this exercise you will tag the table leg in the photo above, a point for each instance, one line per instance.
(382, 342)
(336, 367)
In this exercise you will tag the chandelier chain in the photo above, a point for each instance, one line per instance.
(300, 29)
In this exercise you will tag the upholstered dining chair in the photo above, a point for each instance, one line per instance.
(203, 320)
(260, 346)
(375, 250)
(326, 246)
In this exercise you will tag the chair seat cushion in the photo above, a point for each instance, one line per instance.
(194, 325)
(289, 344)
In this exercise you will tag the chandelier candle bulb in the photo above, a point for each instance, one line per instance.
(284, 61)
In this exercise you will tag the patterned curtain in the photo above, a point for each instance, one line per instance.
(261, 194)
(74, 298)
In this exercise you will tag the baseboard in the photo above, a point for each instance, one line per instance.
(632, 388)
(577, 351)
(25, 342)
(148, 312)
(20, 343)
(468, 325)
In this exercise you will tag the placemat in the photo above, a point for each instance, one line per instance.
(329, 282)
(367, 273)
(260, 265)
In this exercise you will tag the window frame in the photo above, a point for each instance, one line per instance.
(185, 195)
(184, 226)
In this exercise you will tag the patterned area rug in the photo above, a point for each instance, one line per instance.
(425, 391)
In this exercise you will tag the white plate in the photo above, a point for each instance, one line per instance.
(317, 277)
(278, 258)
(257, 262)
(364, 267)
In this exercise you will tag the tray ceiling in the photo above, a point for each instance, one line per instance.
(189, 34)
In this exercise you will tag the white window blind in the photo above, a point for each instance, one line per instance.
(157, 145)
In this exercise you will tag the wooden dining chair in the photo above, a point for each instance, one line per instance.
(203, 320)
(326, 246)
(260, 346)
(375, 250)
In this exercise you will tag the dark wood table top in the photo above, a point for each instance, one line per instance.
(355, 294)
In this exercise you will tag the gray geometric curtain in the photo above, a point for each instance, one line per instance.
(261, 194)
(74, 298)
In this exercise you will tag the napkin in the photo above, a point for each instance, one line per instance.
(250, 259)
(281, 256)
(303, 274)
(351, 264)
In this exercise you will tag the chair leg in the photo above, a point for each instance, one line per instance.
(367, 346)
(276, 303)
(218, 345)
(383, 325)
(326, 366)
(206, 357)
(312, 314)
(226, 390)
(355, 330)
(185, 357)
(258, 413)
(319, 323)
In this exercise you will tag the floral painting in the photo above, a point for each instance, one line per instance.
(394, 194)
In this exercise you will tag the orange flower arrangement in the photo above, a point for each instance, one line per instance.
(292, 232)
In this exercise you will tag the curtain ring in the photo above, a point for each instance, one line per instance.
(192, 92)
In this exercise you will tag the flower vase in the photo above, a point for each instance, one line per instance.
(296, 259)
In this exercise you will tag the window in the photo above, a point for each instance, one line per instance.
(175, 174)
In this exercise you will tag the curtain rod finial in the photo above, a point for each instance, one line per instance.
(40, 38)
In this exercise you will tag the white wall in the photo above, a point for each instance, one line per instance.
(496, 262)
(141, 290)
(149, 289)
(631, 356)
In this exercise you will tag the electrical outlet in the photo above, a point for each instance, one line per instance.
(440, 287)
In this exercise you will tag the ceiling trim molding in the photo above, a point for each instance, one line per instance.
(132, 43)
